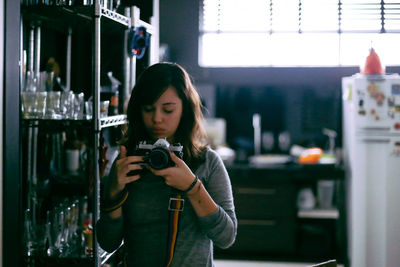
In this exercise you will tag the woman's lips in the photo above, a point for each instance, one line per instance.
(158, 131)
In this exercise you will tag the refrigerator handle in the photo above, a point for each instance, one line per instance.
(375, 141)
(375, 128)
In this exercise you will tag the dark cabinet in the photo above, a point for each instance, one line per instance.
(266, 212)
(270, 224)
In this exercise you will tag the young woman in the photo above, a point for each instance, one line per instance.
(137, 208)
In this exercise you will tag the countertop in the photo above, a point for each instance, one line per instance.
(299, 170)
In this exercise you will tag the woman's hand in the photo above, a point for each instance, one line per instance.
(124, 165)
(180, 176)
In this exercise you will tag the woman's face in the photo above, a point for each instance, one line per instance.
(162, 118)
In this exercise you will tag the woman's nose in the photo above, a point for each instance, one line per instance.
(157, 116)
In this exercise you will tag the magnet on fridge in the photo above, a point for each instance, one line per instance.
(347, 93)
(396, 152)
(391, 101)
(395, 89)
(372, 89)
(379, 97)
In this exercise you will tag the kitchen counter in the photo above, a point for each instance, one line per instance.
(298, 170)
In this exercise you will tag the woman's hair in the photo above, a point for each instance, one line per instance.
(151, 84)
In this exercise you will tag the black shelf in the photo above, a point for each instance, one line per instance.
(55, 124)
(89, 30)
(104, 122)
(62, 17)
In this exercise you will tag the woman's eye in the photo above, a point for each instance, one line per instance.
(168, 111)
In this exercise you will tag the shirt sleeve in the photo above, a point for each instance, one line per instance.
(220, 226)
(109, 231)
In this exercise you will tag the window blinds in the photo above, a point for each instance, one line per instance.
(297, 32)
(352, 16)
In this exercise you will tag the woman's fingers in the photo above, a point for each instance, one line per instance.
(122, 152)
(126, 164)
(130, 160)
(178, 161)
(132, 178)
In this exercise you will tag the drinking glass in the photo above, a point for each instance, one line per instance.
(53, 105)
(284, 141)
(66, 107)
(89, 109)
(268, 141)
(41, 104)
(29, 104)
(325, 193)
(49, 81)
(104, 108)
(79, 102)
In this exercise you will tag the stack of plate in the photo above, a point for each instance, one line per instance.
(269, 159)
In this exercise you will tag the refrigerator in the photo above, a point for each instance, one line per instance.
(371, 144)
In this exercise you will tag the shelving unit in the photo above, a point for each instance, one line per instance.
(95, 20)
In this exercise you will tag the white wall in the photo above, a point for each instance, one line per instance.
(1, 125)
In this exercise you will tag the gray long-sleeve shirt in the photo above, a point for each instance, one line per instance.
(144, 222)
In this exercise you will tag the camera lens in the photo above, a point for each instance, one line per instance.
(158, 158)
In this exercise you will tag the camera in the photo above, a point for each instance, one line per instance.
(156, 155)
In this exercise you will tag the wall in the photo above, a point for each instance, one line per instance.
(12, 219)
(179, 26)
(1, 124)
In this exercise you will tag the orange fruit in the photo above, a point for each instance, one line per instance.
(310, 156)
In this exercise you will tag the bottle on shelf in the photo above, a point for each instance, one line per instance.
(114, 103)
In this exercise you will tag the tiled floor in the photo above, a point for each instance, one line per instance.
(231, 263)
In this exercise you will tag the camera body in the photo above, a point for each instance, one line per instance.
(157, 155)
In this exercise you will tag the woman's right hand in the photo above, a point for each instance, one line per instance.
(124, 165)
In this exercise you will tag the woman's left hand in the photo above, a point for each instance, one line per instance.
(180, 176)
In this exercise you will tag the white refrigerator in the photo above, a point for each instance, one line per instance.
(371, 142)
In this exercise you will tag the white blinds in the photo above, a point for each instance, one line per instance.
(297, 32)
(374, 16)
(361, 15)
(235, 15)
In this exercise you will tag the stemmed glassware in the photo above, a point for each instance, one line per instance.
(62, 235)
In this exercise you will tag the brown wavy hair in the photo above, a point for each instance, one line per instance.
(151, 84)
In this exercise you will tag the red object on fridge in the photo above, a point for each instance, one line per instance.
(373, 64)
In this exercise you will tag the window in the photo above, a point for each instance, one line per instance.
(236, 33)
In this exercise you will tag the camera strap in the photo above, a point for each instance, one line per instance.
(175, 206)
